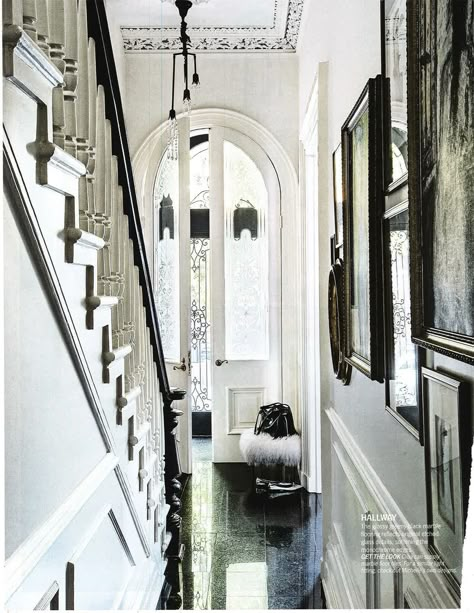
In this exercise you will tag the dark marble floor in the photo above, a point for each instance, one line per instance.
(243, 550)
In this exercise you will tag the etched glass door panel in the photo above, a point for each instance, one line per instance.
(166, 256)
(200, 279)
(246, 258)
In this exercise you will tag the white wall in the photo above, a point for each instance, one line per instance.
(262, 86)
(346, 35)
(119, 53)
(45, 405)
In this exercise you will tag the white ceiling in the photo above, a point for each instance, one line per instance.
(213, 25)
(214, 13)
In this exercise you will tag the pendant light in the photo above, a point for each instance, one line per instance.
(183, 7)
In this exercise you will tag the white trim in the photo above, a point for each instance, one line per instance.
(430, 587)
(15, 184)
(313, 213)
(145, 164)
(234, 426)
(25, 558)
(17, 43)
(221, 38)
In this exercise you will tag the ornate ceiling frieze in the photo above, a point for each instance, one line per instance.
(146, 39)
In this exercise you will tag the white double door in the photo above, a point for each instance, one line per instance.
(245, 289)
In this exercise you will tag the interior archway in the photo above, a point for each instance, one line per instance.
(145, 164)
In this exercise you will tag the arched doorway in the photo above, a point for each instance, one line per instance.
(233, 137)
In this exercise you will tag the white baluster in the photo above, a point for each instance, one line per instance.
(92, 135)
(12, 14)
(82, 136)
(105, 280)
(42, 25)
(56, 48)
(129, 331)
(70, 75)
(82, 104)
(99, 173)
(29, 18)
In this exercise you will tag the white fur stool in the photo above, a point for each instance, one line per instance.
(263, 449)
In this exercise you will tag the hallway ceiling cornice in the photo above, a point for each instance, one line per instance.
(215, 25)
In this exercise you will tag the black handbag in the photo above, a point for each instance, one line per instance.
(276, 420)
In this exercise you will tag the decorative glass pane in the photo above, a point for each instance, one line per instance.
(396, 71)
(166, 256)
(360, 329)
(246, 258)
(402, 378)
(200, 280)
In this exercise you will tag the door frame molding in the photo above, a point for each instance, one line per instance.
(145, 165)
(314, 179)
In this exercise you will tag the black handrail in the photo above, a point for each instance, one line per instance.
(107, 77)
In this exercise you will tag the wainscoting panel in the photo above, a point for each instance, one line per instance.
(243, 404)
(100, 567)
(355, 490)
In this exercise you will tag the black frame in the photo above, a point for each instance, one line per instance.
(389, 184)
(371, 98)
(465, 442)
(397, 209)
(342, 370)
(339, 240)
(448, 342)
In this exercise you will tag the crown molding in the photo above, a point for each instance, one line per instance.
(156, 39)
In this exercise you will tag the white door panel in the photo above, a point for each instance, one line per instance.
(247, 348)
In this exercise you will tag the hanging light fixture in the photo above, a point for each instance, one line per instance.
(183, 7)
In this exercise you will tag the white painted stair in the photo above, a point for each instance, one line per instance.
(58, 148)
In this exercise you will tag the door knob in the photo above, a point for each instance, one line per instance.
(182, 366)
(220, 362)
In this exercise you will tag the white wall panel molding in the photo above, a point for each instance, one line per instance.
(429, 588)
(50, 599)
(242, 405)
(19, 194)
(25, 558)
(343, 591)
(75, 566)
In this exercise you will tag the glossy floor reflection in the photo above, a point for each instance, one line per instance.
(244, 551)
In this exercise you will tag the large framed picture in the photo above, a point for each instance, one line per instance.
(448, 440)
(363, 202)
(394, 71)
(441, 175)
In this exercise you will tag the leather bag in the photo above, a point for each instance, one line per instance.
(276, 420)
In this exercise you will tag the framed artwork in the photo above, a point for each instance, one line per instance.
(394, 71)
(337, 195)
(448, 442)
(362, 211)
(341, 368)
(441, 176)
(401, 354)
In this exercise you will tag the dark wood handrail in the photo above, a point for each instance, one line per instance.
(107, 77)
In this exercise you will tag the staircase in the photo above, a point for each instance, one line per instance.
(68, 175)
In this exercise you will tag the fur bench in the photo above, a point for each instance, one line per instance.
(264, 449)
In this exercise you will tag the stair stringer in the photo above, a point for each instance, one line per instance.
(49, 181)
